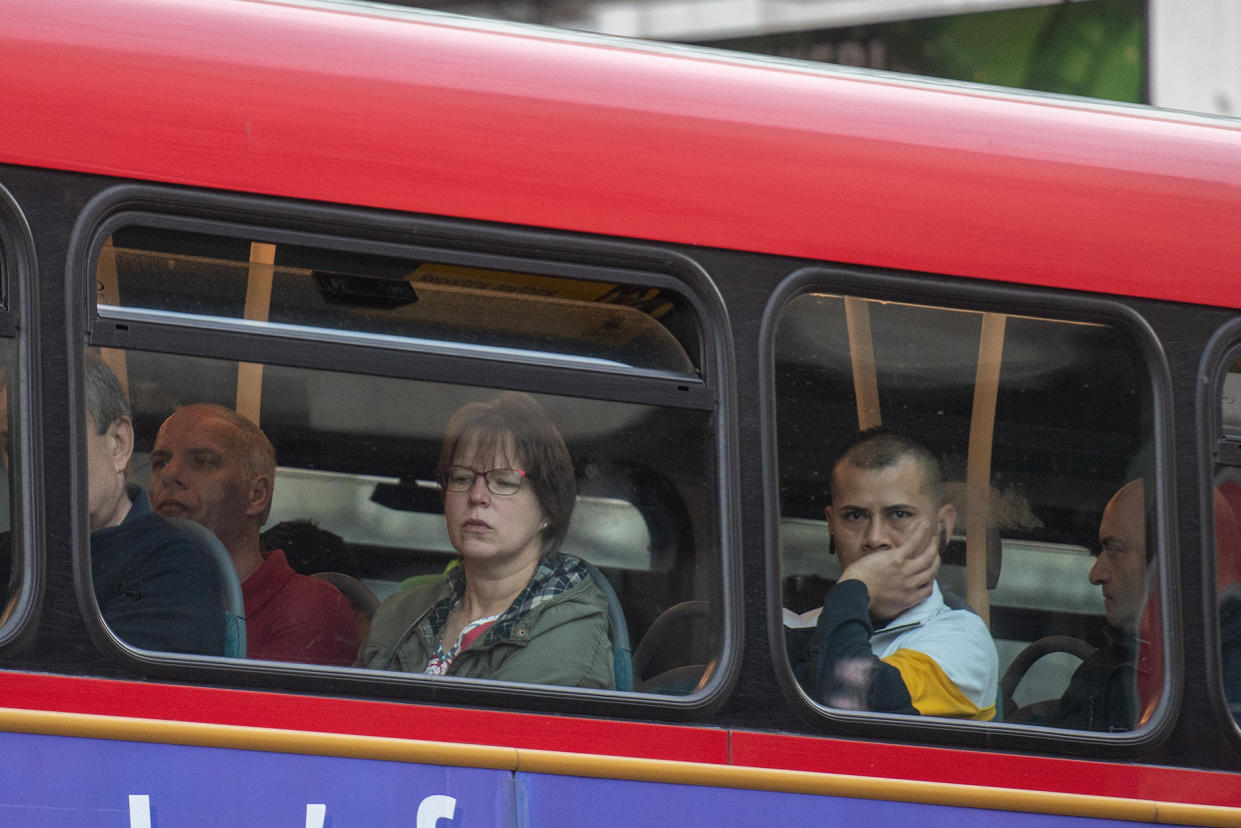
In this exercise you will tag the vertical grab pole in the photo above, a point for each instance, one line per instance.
(978, 474)
(862, 354)
(258, 305)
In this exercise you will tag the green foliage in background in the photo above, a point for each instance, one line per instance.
(1095, 48)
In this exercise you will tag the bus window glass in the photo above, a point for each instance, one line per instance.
(610, 323)
(1228, 536)
(1043, 611)
(356, 491)
(353, 495)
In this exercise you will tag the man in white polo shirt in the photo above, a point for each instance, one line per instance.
(885, 640)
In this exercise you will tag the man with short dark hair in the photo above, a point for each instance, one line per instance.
(157, 588)
(215, 467)
(885, 640)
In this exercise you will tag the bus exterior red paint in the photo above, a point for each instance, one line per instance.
(332, 104)
(744, 749)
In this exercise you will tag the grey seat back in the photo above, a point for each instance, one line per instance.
(234, 603)
(622, 663)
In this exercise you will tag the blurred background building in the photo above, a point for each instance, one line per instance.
(1180, 54)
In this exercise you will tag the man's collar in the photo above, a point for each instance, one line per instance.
(140, 504)
(916, 615)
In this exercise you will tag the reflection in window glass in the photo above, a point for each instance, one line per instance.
(1041, 430)
(606, 321)
(357, 493)
(1228, 538)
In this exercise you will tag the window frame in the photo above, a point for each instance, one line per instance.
(18, 292)
(372, 231)
(971, 295)
(1223, 347)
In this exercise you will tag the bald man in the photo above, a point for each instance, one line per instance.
(1104, 691)
(215, 467)
(1120, 568)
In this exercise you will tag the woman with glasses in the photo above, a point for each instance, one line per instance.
(516, 609)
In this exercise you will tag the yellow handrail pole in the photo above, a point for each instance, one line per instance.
(978, 473)
(258, 306)
(862, 354)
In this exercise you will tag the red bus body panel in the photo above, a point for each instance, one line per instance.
(448, 118)
(615, 738)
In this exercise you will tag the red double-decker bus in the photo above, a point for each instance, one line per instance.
(344, 221)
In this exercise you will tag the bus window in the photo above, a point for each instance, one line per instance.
(355, 398)
(1228, 536)
(610, 323)
(1044, 610)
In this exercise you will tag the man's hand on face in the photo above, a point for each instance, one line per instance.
(898, 578)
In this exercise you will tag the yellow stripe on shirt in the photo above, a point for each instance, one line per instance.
(933, 693)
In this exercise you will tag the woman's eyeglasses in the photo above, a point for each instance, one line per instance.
(499, 481)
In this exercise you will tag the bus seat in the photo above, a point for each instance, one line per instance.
(679, 681)
(670, 626)
(234, 604)
(622, 663)
(358, 593)
(360, 598)
(1007, 709)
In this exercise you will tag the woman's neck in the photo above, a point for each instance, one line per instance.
(490, 590)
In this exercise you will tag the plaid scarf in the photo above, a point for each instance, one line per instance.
(555, 574)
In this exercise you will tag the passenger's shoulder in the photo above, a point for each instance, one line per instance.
(162, 539)
(581, 600)
(419, 595)
(966, 626)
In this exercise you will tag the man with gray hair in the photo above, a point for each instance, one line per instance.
(157, 588)
(215, 467)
